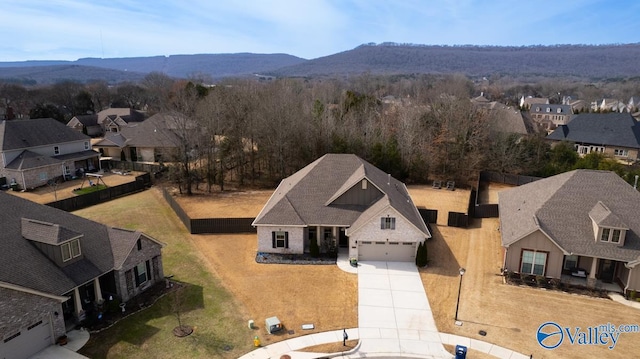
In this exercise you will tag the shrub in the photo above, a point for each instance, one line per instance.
(421, 255)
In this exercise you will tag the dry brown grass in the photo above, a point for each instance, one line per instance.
(228, 204)
(471, 354)
(47, 194)
(297, 294)
(510, 315)
(441, 199)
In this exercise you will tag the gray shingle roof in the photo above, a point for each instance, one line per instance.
(561, 205)
(24, 134)
(46, 232)
(21, 263)
(304, 198)
(551, 109)
(28, 159)
(613, 129)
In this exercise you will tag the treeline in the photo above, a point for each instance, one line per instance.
(416, 128)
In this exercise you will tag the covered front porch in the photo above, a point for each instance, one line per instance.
(328, 238)
(88, 300)
(593, 272)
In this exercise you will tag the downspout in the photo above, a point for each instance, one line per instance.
(24, 183)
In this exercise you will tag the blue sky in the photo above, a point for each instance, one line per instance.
(72, 29)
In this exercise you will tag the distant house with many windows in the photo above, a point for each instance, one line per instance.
(614, 134)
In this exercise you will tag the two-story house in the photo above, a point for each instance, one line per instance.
(614, 134)
(35, 151)
(578, 224)
(551, 116)
(108, 120)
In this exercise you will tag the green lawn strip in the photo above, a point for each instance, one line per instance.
(220, 330)
(89, 189)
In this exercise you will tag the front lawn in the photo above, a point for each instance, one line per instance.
(219, 321)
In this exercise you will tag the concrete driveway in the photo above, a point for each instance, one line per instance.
(394, 315)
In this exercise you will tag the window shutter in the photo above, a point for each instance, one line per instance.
(148, 270)
(286, 239)
(135, 272)
(273, 239)
(382, 223)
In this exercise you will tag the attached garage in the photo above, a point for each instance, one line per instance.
(387, 251)
(27, 341)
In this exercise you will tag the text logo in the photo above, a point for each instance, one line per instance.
(550, 335)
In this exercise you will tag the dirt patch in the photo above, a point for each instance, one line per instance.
(327, 348)
(443, 200)
(227, 204)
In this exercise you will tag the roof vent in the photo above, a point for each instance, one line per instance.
(388, 179)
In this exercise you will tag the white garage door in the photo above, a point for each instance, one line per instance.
(386, 251)
(27, 341)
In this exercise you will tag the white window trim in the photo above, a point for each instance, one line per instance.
(388, 223)
(533, 263)
(609, 237)
(280, 237)
(69, 250)
(140, 273)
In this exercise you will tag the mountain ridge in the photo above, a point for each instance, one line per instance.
(579, 61)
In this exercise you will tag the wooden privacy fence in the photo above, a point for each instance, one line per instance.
(507, 178)
(90, 199)
(428, 215)
(457, 219)
(209, 225)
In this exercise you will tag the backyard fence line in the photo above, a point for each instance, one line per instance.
(71, 204)
(209, 225)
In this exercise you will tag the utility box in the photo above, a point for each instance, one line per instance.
(273, 325)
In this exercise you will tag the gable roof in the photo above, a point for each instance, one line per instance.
(157, 131)
(613, 129)
(21, 262)
(306, 197)
(24, 134)
(29, 159)
(564, 206)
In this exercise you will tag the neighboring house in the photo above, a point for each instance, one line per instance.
(527, 102)
(614, 134)
(583, 219)
(505, 119)
(34, 151)
(153, 140)
(57, 268)
(340, 200)
(634, 104)
(551, 116)
(109, 120)
(608, 105)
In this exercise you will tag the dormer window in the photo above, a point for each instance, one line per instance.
(86, 145)
(548, 109)
(611, 235)
(56, 150)
(70, 250)
(559, 110)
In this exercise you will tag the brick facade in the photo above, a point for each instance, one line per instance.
(295, 238)
(20, 310)
(150, 251)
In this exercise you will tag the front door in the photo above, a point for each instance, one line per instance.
(606, 269)
(343, 240)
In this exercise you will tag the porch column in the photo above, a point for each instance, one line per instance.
(97, 290)
(77, 302)
(591, 280)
